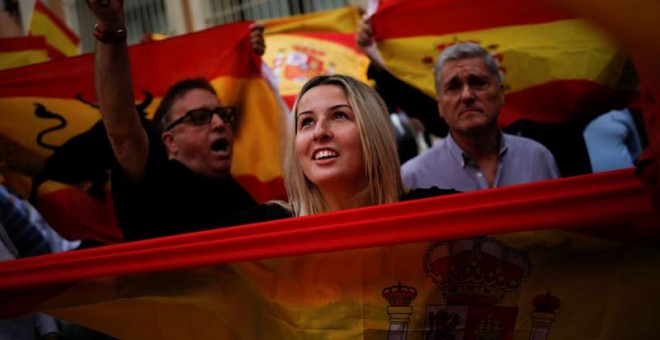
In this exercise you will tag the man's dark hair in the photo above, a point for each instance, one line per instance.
(177, 91)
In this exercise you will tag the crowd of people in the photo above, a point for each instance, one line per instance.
(172, 175)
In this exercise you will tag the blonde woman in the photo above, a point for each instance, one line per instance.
(341, 153)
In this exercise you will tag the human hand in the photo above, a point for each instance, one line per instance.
(109, 13)
(257, 38)
(365, 36)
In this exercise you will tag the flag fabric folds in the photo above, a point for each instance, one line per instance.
(21, 51)
(61, 40)
(301, 47)
(633, 23)
(46, 105)
(574, 257)
(556, 66)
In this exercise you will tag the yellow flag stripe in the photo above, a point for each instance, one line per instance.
(341, 20)
(531, 54)
(43, 25)
(255, 151)
(22, 58)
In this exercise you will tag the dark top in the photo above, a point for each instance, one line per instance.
(271, 212)
(414, 102)
(172, 199)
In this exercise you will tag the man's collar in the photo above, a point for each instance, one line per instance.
(464, 157)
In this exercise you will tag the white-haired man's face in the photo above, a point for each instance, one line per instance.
(469, 96)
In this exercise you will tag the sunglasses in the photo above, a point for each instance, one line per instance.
(203, 116)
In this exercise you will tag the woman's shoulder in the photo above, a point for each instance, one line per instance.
(419, 193)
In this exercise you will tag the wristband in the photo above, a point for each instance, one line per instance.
(105, 37)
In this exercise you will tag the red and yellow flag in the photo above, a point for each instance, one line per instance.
(634, 24)
(573, 258)
(21, 51)
(45, 105)
(62, 41)
(556, 66)
(301, 47)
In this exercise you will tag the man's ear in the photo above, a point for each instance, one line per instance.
(168, 140)
(439, 109)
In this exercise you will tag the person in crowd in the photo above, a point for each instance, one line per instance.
(613, 141)
(476, 154)
(395, 92)
(24, 234)
(182, 182)
(341, 153)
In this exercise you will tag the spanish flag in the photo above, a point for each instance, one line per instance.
(634, 24)
(48, 111)
(301, 47)
(572, 258)
(62, 41)
(556, 66)
(21, 51)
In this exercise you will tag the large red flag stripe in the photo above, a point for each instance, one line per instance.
(606, 199)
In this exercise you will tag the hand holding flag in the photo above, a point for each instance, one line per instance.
(107, 11)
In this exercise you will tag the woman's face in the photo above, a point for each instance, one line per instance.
(327, 140)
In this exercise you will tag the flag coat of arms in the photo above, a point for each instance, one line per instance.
(302, 47)
(563, 259)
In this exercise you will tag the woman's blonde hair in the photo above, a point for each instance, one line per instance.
(379, 150)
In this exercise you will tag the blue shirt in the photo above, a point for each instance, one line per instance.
(612, 141)
(446, 165)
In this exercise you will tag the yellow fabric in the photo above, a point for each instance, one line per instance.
(531, 54)
(607, 290)
(41, 24)
(19, 128)
(341, 20)
(256, 150)
(22, 58)
(295, 59)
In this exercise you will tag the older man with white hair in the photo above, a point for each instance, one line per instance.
(476, 154)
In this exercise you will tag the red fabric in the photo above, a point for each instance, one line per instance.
(76, 215)
(649, 162)
(563, 100)
(22, 44)
(406, 18)
(151, 65)
(597, 201)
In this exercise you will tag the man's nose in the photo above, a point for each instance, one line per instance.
(467, 93)
(216, 121)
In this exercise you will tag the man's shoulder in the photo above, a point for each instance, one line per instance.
(518, 143)
(432, 155)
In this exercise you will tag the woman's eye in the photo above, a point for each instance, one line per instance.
(340, 114)
(306, 122)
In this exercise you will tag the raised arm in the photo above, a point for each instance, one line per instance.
(114, 88)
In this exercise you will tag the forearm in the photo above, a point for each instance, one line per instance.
(114, 89)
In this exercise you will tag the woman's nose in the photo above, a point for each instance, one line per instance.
(322, 130)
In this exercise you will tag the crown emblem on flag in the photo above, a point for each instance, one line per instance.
(399, 295)
(475, 271)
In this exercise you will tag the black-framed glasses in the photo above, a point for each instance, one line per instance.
(203, 116)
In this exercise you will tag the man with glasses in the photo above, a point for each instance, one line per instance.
(182, 182)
